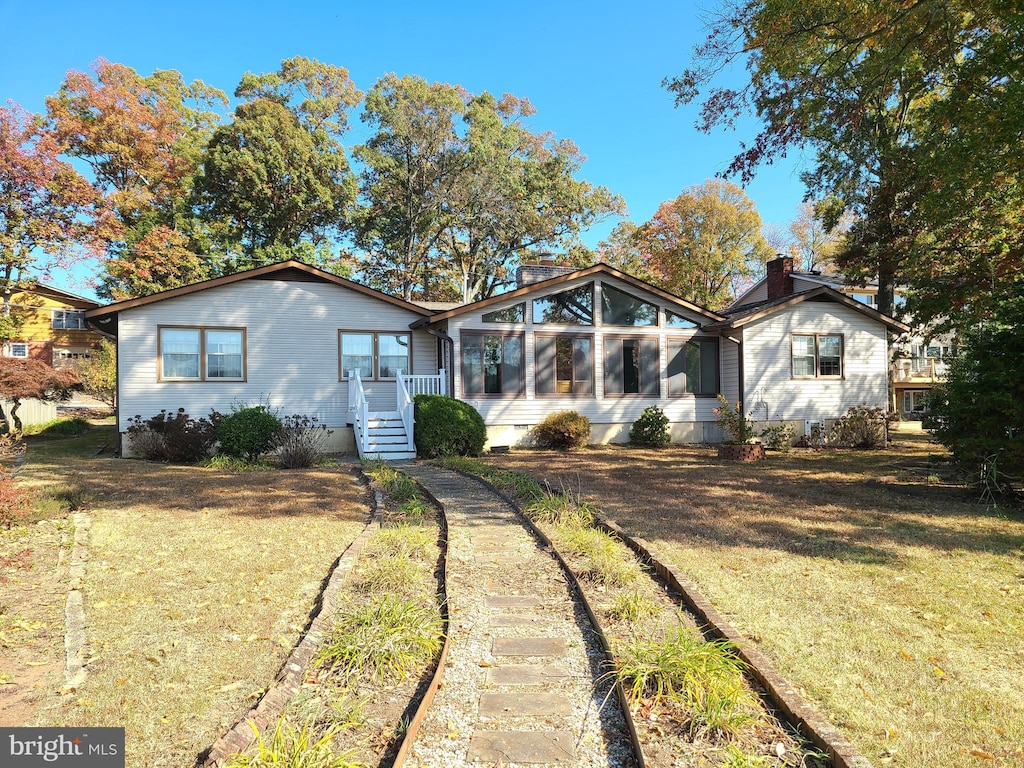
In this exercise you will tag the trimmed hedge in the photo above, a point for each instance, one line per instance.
(447, 427)
(248, 433)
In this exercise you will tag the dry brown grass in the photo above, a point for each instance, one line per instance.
(199, 583)
(896, 607)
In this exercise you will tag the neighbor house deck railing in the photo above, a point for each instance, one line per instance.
(919, 369)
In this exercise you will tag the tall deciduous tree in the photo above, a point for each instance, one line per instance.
(456, 188)
(43, 200)
(409, 167)
(141, 138)
(860, 84)
(813, 244)
(278, 174)
(699, 244)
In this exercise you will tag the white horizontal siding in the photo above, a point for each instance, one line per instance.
(291, 349)
(530, 409)
(767, 364)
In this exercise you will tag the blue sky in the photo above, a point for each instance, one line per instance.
(592, 69)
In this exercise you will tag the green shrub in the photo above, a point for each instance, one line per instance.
(860, 427)
(177, 438)
(777, 438)
(651, 429)
(248, 433)
(563, 431)
(447, 427)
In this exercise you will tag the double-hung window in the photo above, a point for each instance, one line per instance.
(631, 366)
(565, 364)
(817, 356)
(692, 367)
(492, 364)
(68, 319)
(201, 354)
(374, 355)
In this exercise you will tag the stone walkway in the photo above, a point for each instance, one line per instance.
(521, 686)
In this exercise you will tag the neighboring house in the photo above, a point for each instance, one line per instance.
(54, 328)
(918, 361)
(592, 340)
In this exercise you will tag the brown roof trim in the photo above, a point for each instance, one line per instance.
(543, 285)
(258, 272)
(49, 290)
(815, 293)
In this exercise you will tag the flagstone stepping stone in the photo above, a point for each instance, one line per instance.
(524, 705)
(525, 674)
(521, 747)
(528, 646)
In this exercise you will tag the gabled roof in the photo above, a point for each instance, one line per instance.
(283, 270)
(42, 289)
(817, 278)
(546, 285)
(740, 316)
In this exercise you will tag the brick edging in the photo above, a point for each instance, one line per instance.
(810, 723)
(289, 679)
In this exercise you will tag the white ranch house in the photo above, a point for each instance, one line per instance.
(592, 340)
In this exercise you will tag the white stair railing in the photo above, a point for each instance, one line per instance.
(405, 409)
(427, 385)
(358, 403)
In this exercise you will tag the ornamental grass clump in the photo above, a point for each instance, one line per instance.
(306, 746)
(705, 678)
(600, 557)
(384, 641)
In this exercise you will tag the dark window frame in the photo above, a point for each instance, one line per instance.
(503, 335)
(551, 296)
(605, 288)
(711, 341)
(651, 391)
(538, 368)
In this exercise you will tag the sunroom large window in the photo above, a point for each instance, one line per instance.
(692, 367)
(492, 364)
(565, 365)
(631, 366)
(619, 308)
(572, 307)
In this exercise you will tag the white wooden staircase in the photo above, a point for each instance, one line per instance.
(388, 435)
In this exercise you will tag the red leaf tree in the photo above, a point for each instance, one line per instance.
(32, 379)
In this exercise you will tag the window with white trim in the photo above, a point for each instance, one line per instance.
(817, 356)
(374, 355)
(68, 319)
(201, 354)
(18, 349)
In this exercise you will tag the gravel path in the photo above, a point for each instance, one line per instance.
(521, 686)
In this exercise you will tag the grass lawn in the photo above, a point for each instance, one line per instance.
(199, 582)
(895, 606)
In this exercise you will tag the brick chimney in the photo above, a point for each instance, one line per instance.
(545, 269)
(780, 277)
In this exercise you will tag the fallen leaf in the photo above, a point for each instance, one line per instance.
(982, 754)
